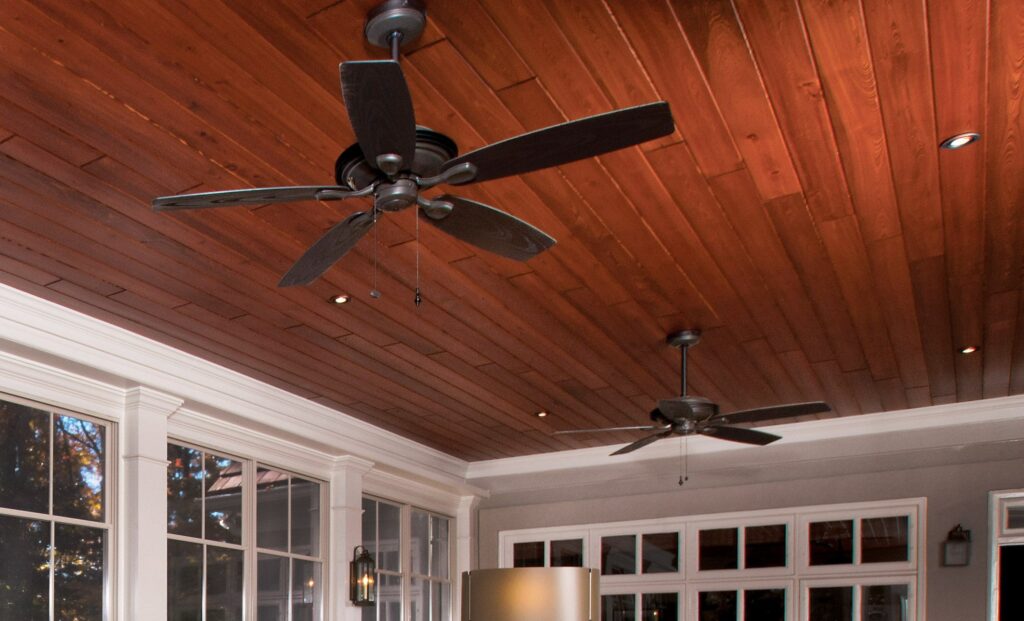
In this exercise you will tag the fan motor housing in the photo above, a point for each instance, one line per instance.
(433, 149)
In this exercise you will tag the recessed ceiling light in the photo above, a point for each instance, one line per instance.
(341, 298)
(960, 140)
(970, 349)
(541, 414)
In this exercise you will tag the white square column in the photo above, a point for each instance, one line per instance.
(144, 503)
(346, 531)
(464, 538)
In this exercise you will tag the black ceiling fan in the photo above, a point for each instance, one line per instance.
(689, 415)
(394, 159)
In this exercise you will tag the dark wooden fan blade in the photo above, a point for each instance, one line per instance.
(603, 429)
(328, 249)
(642, 442)
(491, 229)
(568, 142)
(253, 196)
(739, 434)
(773, 412)
(379, 108)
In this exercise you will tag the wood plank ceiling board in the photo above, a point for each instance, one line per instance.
(800, 214)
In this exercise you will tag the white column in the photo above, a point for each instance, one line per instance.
(144, 503)
(465, 521)
(346, 531)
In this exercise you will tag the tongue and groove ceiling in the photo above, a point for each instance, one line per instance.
(801, 215)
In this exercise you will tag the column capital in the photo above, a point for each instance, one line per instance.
(350, 464)
(145, 400)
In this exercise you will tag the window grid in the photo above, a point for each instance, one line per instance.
(53, 519)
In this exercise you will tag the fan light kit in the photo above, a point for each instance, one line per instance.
(960, 140)
(690, 415)
(394, 160)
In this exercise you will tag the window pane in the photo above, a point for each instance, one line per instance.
(390, 532)
(223, 499)
(305, 517)
(528, 554)
(25, 458)
(389, 597)
(831, 604)
(719, 549)
(419, 600)
(271, 509)
(618, 555)
(440, 601)
(78, 576)
(660, 553)
(567, 553)
(306, 590)
(184, 491)
(884, 540)
(660, 607)
(765, 546)
(439, 547)
(419, 544)
(618, 607)
(886, 602)
(1015, 517)
(831, 542)
(764, 605)
(184, 581)
(25, 572)
(369, 525)
(224, 584)
(716, 606)
(271, 588)
(78, 458)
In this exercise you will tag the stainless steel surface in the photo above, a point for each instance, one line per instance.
(530, 594)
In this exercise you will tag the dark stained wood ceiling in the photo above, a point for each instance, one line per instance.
(802, 215)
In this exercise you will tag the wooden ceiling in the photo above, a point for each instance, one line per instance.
(802, 215)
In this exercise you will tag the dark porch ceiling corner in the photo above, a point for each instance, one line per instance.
(802, 215)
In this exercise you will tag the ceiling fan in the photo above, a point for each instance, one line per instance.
(690, 415)
(394, 159)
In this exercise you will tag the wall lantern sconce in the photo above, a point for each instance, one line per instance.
(361, 577)
(956, 550)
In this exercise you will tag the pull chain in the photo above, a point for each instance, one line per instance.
(375, 293)
(684, 456)
(418, 299)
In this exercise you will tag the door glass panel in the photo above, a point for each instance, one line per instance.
(660, 607)
(271, 509)
(618, 555)
(831, 542)
(25, 572)
(1015, 517)
(765, 546)
(420, 543)
(1011, 576)
(78, 576)
(528, 554)
(224, 584)
(884, 540)
(718, 549)
(660, 553)
(390, 533)
(271, 588)
(78, 468)
(25, 460)
(830, 604)
(885, 602)
(223, 499)
(306, 589)
(764, 605)
(184, 581)
(184, 491)
(305, 517)
(618, 607)
(716, 606)
(567, 553)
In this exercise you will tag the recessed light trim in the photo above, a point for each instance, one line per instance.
(960, 140)
(541, 414)
(341, 298)
(970, 349)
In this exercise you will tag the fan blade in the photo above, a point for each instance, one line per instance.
(675, 409)
(380, 109)
(568, 142)
(739, 434)
(642, 442)
(603, 429)
(491, 229)
(253, 196)
(772, 412)
(328, 249)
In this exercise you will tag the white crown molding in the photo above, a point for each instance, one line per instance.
(33, 380)
(953, 418)
(422, 494)
(66, 335)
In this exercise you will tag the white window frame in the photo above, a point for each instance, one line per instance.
(506, 552)
(915, 541)
(1000, 534)
(693, 599)
(858, 583)
(111, 458)
(740, 523)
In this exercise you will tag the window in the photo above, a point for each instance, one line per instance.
(412, 550)
(211, 540)
(1006, 554)
(55, 515)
